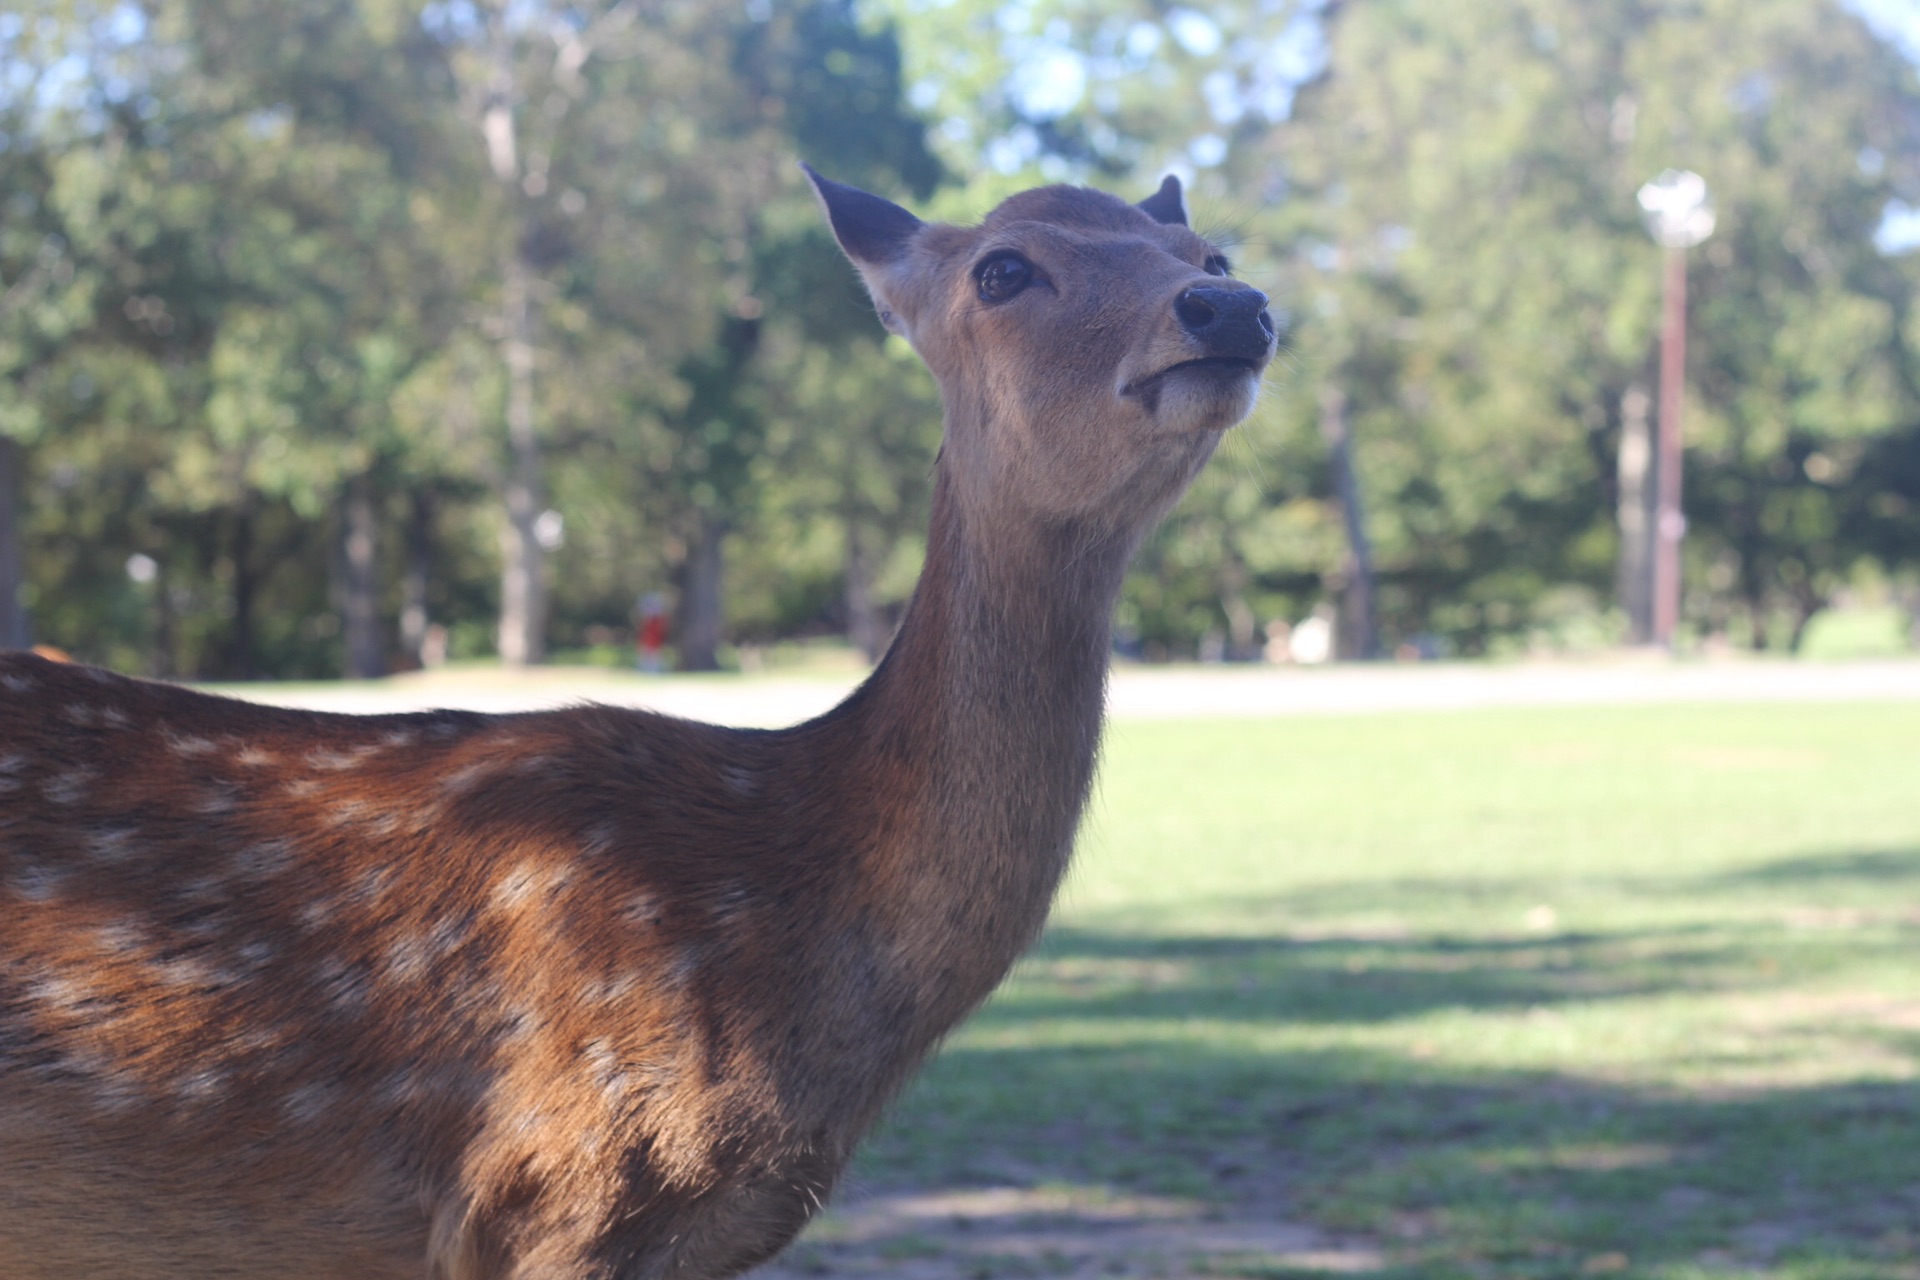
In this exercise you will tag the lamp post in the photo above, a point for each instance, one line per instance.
(1679, 215)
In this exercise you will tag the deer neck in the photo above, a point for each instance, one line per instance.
(982, 725)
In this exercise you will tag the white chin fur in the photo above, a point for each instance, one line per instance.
(1205, 403)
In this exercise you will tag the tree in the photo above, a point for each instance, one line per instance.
(1463, 223)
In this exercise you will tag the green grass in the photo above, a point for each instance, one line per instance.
(1881, 632)
(1629, 992)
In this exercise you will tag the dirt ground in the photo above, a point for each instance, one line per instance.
(1068, 1233)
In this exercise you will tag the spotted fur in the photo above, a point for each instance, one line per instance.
(592, 993)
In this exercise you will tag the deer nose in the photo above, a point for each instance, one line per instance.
(1231, 322)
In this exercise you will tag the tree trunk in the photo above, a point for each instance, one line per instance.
(165, 627)
(240, 659)
(523, 585)
(360, 584)
(702, 605)
(1635, 513)
(416, 575)
(1357, 635)
(14, 631)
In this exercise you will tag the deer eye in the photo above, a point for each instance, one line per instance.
(1002, 276)
(1217, 265)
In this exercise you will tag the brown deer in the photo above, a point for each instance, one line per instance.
(598, 993)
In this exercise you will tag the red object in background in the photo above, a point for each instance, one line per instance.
(650, 638)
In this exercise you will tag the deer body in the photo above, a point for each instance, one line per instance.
(594, 993)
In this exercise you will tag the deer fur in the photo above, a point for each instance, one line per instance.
(597, 993)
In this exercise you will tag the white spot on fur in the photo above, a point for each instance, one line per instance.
(342, 985)
(61, 991)
(112, 844)
(309, 1102)
(301, 788)
(188, 745)
(68, 787)
(401, 1088)
(12, 765)
(466, 776)
(528, 881)
(732, 905)
(16, 683)
(686, 963)
(115, 718)
(517, 886)
(260, 1039)
(519, 1022)
(315, 914)
(124, 937)
(220, 798)
(398, 738)
(255, 757)
(204, 1085)
(607, 1071)
(256, 955)
(193, 972)
(80, 713)
(371, 885)
(345, 813)
(112, 1089)
(604, 991)
(37, 883)
(408, 958)
(205, 889)
(448, 933)
(326, 758)
(262, 859)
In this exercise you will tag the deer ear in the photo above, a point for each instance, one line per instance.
(874, 232)
(1166, 205)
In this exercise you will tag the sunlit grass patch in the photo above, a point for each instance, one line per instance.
(1528, 993)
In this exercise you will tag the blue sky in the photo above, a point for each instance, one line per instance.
(1898, 22)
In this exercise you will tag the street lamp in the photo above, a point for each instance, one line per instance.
(1679, 215)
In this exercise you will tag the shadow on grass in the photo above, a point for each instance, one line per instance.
(1360, 976)
(1482, 1173)
(1454, 1171)
(1849, 873)
(1522, 1174)
(1077, 973)
(1890, 869)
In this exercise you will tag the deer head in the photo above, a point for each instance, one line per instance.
(1090, 352)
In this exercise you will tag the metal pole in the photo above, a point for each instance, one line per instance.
(1670, 525)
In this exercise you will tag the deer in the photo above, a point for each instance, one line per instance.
(596, 993)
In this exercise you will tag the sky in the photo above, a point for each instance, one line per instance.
(1895, 20)
(1898, 22)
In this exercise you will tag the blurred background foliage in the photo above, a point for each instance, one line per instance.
(338, 336)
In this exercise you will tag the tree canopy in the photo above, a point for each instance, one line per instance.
(340, 336)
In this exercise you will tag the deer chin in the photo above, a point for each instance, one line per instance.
(1212, 393)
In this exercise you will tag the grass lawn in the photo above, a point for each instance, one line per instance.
(1625, 992)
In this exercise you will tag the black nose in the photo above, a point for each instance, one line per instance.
(1231, 322)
